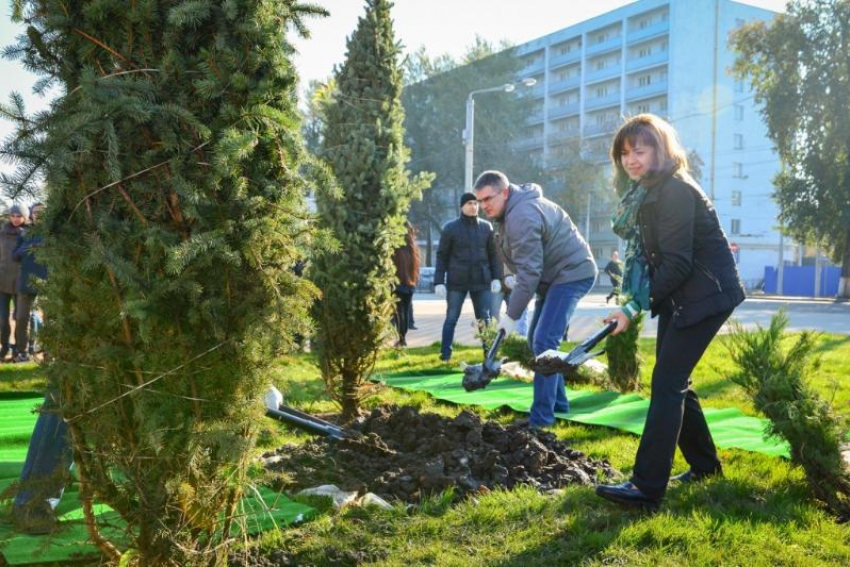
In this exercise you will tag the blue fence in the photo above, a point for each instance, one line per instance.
(800, 280)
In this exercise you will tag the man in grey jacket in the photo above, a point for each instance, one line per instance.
(543, 247)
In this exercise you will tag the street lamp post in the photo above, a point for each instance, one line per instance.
(469, 131)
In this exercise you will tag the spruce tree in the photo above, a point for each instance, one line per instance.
(171, 161)
(363, 146)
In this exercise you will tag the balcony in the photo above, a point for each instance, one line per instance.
(565, 85)
(533, 67)
(600, 129)
(597, 75)
(647, 61)
(529, 143)
(655, 89)
(610, 99)
(564, 58)
(607, 45)
(655, 29)
(535, 117)
(562, 111)
(562, 136)
(537, 91)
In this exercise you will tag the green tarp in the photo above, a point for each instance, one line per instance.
(731, 428)
(264, 510)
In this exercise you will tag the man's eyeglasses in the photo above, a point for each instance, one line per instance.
(486, 200)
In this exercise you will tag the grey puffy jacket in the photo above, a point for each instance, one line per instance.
(541, 245)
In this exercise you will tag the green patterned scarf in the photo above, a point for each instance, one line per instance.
(626, 225)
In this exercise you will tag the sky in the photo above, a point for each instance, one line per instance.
(442, 26)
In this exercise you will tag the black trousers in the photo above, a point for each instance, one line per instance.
(404, 301)
(675, 415)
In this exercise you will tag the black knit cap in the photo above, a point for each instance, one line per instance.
(466, 197)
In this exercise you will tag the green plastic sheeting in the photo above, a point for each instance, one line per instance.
(264, 510)
(731, 428)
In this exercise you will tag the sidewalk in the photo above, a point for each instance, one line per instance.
(819, 315)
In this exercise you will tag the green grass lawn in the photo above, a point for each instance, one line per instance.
(761, 513)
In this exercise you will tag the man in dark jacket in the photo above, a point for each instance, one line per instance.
(466, 263)
(551, 260)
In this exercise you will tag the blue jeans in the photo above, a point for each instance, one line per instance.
(552, 314)
(48, 457)
(454, 303)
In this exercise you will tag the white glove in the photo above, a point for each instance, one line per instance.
(508, 324)
(495, 286)
(440, 291)
(510, 281)
(273, 398)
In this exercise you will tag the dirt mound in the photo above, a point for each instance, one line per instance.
(406, 455)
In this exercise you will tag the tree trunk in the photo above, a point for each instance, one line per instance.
(844, 282)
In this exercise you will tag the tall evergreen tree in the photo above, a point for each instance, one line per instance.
(363, 145)
(175, 215)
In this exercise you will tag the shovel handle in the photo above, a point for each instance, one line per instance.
(494, 348)
(597, 337)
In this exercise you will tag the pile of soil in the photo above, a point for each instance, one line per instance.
(402, 454)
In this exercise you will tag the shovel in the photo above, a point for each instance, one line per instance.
(477, 376)
(557, 362)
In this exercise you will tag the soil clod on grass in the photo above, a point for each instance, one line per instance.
(406, 455)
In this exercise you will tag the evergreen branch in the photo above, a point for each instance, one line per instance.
(127, 178)
(117, 74)
(100, 44)
(148, 383)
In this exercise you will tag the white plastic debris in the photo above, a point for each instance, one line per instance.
(340, 497)
(370, 499)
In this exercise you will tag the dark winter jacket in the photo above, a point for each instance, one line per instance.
(30, 267)
(466, 257)
(692, 269)
(9, 269)
(541, 245)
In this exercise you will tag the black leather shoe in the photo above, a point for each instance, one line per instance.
(691, 475)
(628, 494)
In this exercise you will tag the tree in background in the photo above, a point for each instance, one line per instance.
(798, 67)
(364, 147)
(435, 109)
(175, 216)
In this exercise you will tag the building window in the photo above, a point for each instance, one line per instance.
(664, 46)
(600, 64)
(737, 170)
(739, 112)
(642, 108)
(736, 198)
(643, 24)
(662, 105)
(736, 226)
(601, 91)
(644, 80)
(644, 52)
(602, 37)
(738, 141)
(664, 17)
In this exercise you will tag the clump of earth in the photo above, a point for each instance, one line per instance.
(401, 454)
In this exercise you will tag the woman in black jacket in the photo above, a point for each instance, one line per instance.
(679, 267)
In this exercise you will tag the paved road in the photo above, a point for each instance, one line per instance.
(819, 315)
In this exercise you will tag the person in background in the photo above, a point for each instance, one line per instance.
(466, 264)
(406, 260)
(679, 267)
(614, 269)
(9, 271)
(542, 246)
(30, 268)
